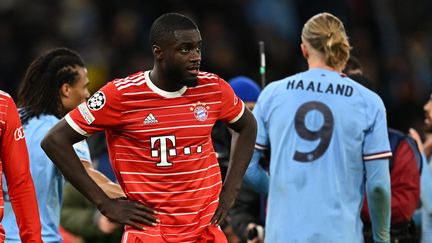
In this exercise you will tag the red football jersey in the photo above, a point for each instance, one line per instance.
(160, 147)
(14, 163)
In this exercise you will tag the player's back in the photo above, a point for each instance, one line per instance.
(317, 122)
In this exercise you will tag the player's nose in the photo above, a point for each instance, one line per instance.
(195, 55)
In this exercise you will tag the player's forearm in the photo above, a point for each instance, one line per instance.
(379, 209)
(379, 196)
(112, 189)
(242, 146)
(255, 175)
(62, 154)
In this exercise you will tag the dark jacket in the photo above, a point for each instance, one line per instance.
(79, 217)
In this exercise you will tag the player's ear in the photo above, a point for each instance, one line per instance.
(304, 50)
(65, 90)
(157, 52)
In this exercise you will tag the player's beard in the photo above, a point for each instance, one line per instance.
(190, 82)
(427, 128)
(183, 78)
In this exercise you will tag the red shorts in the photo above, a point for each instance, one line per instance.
(211, 234)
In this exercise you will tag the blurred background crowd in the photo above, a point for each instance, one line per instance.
(392, 39)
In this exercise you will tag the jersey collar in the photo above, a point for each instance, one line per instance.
(161, 92)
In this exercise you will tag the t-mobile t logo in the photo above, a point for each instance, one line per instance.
(164, 150)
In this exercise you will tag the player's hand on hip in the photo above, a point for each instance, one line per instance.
(130, 213)
(226, 201)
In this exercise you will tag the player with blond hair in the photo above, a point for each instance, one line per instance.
(328, 138)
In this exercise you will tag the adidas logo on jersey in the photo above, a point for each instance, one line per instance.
(150, 119)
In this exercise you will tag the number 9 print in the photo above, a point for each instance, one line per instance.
(324, 133)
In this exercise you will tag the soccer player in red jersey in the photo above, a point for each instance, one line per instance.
(158, 125)
(14, 163)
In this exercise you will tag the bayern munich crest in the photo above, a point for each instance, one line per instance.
(97, 101)
(200, 111)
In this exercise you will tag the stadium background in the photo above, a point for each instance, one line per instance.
(392, 38)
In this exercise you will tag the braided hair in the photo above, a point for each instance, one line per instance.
(39, 91)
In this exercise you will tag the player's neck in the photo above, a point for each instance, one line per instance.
(161, 81)
(318, 63)
(61, 114)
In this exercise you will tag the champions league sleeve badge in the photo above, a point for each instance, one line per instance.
(97, 101)
(200, 111)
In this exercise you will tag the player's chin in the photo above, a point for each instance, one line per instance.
(190, 81)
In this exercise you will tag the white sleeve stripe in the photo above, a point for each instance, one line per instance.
(260, 147)
(75, 126)
(375, 156)
(239, 115)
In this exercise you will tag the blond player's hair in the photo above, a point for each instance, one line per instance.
(326, 33)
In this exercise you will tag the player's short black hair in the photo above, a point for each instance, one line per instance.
(166, 24)
(352, 64)
(39, 90)
(361, 79)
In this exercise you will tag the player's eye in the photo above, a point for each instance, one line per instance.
(184, 50)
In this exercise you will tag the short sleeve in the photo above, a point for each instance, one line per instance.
(376, 143)
(232, 107)
(262, 133)
(100, 112)
(83, 151)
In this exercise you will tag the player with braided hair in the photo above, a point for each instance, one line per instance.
(54, 84)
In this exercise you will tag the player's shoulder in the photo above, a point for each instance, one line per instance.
(44, 120)
(115, 89)
(5, 101)
(202, 75)
(207, 78)
(40, 125)
(368, 95)
(210, 81)
(5, 97)
(4, 94)
(130, 82)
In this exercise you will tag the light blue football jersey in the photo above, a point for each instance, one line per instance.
(426, 199)
(48, 182)
(321, 128)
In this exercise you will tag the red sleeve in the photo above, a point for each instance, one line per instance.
(365, 211)
(232, 107)
(100, 112)
(405, 185)
(16, 168)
